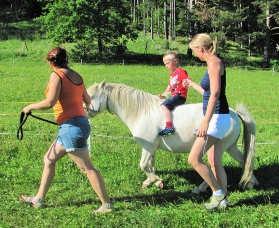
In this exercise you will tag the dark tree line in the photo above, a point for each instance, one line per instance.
(254, 24)
(106, 25)
(16, 10)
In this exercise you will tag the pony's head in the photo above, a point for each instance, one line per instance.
(99, 98)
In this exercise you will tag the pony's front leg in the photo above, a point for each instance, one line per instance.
(147, 165)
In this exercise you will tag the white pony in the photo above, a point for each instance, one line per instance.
(142, 114)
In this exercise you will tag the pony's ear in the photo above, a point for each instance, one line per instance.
(91, 88)
(102, 84)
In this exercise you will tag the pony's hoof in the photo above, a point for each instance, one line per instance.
(159, 184)
(196, 191)
(250, 185)
(145, 184)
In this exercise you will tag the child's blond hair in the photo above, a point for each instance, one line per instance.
(172, 55)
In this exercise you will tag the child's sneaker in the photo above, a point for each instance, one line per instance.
(32, 200)
(167, 131)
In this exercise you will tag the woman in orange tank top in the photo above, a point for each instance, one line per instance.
(66, 93)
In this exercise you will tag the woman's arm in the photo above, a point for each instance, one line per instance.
(54, 87)
(194, 85)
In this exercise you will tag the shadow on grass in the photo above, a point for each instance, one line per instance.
(193, 177)
(156, 59)
(185, 59)
(168, 195)
(259, 200)
(136, 58)
(157, 199)
(269, 180)
(162, 198)
(266, 175)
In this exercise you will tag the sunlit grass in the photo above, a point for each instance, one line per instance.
(70, 199)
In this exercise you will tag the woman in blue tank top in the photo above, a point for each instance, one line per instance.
(215, 123)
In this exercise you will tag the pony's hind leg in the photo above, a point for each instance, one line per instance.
(236, 154)
(147, 165)
(201, 188)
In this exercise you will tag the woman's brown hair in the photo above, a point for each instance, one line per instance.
(58, 57)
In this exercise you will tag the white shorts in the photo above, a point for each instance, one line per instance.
(219, 125)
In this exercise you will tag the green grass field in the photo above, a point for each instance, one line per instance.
(70, 200)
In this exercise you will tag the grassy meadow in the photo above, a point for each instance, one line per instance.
(70, 200)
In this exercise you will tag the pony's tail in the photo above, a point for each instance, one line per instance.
(249, 137)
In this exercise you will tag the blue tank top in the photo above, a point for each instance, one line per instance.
(222, 106)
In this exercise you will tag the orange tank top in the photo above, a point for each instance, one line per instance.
(70, 101)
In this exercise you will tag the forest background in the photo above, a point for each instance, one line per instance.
(247, 31)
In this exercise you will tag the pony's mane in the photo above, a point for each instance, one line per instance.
(132, 100)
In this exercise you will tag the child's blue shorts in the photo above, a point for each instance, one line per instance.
(73, 134)
(174, 101)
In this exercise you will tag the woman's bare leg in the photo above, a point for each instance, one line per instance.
(83, 161)
(55, 152)
(215, 160)
(195, 160)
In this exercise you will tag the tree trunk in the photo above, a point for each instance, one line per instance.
(249, 44)
(165, 20)
(14, 7)
(190, 8)
(137, 13)
(144, 18)
(131, 9)
(100, 46)
(170, 24)
(151, 23)
(266, 62)
(134, 11)
(158, 19)
(240, 26)
(190, 5)
(174, 33)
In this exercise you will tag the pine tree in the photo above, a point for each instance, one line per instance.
(268, 14)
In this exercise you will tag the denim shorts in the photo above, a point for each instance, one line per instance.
(73, 134)
(174, 101)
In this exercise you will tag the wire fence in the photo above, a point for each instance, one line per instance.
(104, 135)
(119, 137)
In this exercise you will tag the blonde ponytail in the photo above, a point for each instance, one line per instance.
(203, 40)
(214, 45)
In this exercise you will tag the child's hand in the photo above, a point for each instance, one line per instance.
(161, 96)
(187, 82)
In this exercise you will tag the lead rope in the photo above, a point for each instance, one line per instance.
(22, 119)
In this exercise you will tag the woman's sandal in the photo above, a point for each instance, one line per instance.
(32, 201)
(105, 208)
